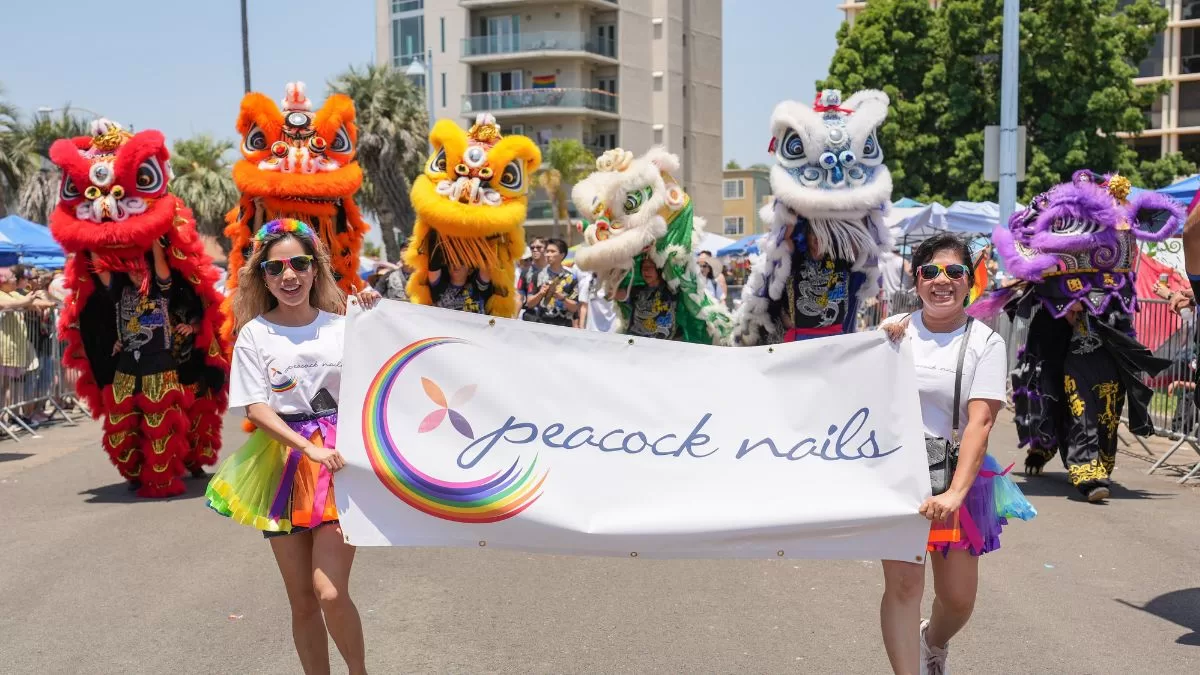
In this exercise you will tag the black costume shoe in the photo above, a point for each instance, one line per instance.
(1035, 462)
(198, 472)
(1098, 494)
(133, 485)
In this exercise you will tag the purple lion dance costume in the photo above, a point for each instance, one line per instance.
(1073, 251)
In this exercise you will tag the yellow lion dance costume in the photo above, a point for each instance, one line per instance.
(470, 206)
(297, 164)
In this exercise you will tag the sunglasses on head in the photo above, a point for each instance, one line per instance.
(299, 263)
(931, 271)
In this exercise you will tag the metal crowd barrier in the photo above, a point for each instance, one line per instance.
(33, 381)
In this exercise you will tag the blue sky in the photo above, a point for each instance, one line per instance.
(176, 67)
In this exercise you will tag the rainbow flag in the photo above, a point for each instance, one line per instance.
(981, 278)
(545, 81)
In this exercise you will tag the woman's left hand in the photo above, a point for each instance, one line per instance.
(368, 298)
(940, 507)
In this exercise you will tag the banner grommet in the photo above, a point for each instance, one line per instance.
(633, 554)
(779, 553)
(482, 543)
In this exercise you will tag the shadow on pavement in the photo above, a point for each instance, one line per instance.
(1179, 607)
(119, 493)
(13, 456)
(1056, 485)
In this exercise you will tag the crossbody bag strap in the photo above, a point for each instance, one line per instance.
(962, 355)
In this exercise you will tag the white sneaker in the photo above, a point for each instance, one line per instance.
(933, 659)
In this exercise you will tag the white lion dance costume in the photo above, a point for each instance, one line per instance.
(634, 209)
(821, 256)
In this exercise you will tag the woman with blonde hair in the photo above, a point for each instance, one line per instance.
(287, 375)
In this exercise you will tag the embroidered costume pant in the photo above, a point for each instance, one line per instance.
(146, 431)
(1093, 397)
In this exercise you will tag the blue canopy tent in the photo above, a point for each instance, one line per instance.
(747, 245)
(28, 243)
(1183, 190)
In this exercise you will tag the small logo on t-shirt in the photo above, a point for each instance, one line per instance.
(281, 382)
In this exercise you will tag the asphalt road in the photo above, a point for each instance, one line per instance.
(95, 581)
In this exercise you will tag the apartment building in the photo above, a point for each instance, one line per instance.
(1173, 121)
(744, 191)
(609, 73)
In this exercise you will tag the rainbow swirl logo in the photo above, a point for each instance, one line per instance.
(491, 499)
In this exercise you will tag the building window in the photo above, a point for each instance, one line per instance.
(399, 6)
(658, 136)
(1189, 104)
(607, 40)
(735, 225)
(685, 142)
(408, 39)
(658, 81)
(685, 39)
(443, 20)
(443, 90)
(685, 91)
(658, 29)
(735, 188)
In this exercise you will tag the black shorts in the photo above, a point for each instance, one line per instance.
(295, 530)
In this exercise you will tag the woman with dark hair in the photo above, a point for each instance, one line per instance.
(961, 366)
(287, 375)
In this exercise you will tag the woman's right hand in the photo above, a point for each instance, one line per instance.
(327, 457)
(895, 330)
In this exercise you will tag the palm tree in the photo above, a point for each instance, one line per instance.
(564, 163)
(204, 182)
(38, 193)
(393, 126)
(15, 158)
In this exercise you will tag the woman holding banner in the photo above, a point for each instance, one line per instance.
(961, 368)
(287, 374)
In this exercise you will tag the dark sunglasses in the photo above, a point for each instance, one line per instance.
(930, 271)
(299, 263)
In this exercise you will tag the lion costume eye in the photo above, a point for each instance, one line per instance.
(341, 142)
(150, 177)
(792, 147)
(513, 176)
(635, 199)
(438, 163)
(256, 140)
(69, 190)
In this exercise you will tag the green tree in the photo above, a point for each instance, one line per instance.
(941, 69)
(371, 250)
(38, 193)
(393, 128)
(565, 162)
(732, 165)
(15, 156)
(204, 182)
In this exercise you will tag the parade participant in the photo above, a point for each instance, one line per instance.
(470, 204)
(960, 365)
(713, 274)
(830, 188)
(298, 164)
(1073, 250)
(557, 298)
(141, 321)
(287, 375)
(634, 212)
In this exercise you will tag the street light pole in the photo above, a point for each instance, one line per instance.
(1008, 110)
(416, 68)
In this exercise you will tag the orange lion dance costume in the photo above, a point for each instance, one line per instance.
(114, 213)
(470, 205)
(298, 164)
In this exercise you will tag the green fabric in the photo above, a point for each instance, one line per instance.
(682, 276)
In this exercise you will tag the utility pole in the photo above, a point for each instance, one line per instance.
(1008, 109)
(245, 49)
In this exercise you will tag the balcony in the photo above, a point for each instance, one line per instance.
(500, 4)
(491, 48)
(531, 102)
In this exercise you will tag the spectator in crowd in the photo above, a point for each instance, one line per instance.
(556, 300)
(17, 354)
(712, 271)
(596, 310)
(389, 281)
(528, 285)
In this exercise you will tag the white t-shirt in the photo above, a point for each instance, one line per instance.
(601, 313)
(285, 366)
(935, 355)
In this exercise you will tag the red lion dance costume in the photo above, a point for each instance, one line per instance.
(298, 164)
(169, 358)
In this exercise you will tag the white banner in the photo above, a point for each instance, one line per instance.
(462, 430)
